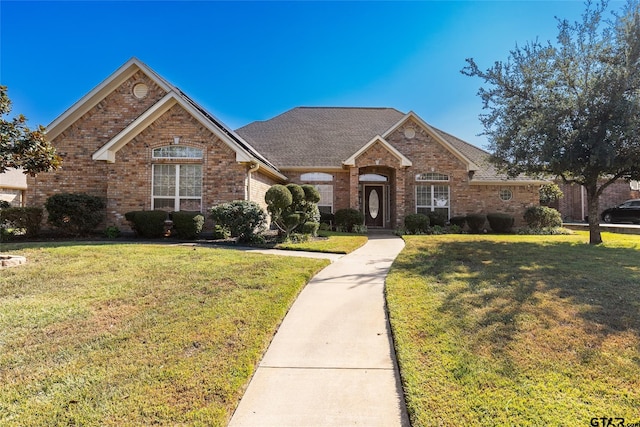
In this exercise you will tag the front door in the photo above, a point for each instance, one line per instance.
(373, 205)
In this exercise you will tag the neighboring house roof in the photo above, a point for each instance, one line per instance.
(244, 151)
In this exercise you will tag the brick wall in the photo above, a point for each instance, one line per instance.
(574, 203)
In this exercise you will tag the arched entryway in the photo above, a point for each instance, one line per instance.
(375, 194)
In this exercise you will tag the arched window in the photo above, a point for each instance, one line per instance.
(177, 152)
(372, 177)
(432, 176)
(316, 176)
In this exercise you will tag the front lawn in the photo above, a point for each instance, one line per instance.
(328, 241)
(518, 330)
(136, 334)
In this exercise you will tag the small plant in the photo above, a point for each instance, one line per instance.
(220, 232)
(112, 232)
(476, 222)
(500, 222)
(74, 213)
(416, 223)
(360, 229)
(348, 218)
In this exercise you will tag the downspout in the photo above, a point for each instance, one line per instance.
(582, 202)
(253, 167)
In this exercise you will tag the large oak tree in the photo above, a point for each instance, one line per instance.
(21, 147)
(570, 109)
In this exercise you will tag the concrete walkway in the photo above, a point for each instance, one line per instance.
(332, 362)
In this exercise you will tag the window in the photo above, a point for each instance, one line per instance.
(326, 198)
(177, 188)
(506, 194)
(177, 152)
(431, 176)
(432, 198)
(372, 177)
(316, 176)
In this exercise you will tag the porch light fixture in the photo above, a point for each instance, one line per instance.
(176, 140)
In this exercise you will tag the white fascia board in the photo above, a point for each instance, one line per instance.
(504, 182)
(97, 94)
(411, 115)
(405, 162)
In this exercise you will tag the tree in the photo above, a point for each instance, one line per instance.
(570, 110)
(21, 147)
(292, 205)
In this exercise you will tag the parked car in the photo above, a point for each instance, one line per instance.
(629, 211)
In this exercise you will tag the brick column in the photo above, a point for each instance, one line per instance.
(353, 188)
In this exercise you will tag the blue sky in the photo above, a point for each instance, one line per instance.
(247, 61)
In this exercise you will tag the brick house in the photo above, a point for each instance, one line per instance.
(141, 143)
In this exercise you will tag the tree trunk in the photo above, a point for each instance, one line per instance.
(594, 218)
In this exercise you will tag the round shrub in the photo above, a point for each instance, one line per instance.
(297, 193)
(416, 223)
(437, 218)
(278, 197)
(75, 213)
(542, 217)
(25, 220)
(311, 193)
(476, 222)
(459, 221)
(310, 228)
(500, 222)
(147, 224)
(348, 218)
(242, 218)
(187, 225)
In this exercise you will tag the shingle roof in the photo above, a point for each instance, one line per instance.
(327, 136)
(319, 137)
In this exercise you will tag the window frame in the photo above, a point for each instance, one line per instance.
(177, 197)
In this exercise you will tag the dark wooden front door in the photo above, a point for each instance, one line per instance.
(373, 205)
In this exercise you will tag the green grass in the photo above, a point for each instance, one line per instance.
(517, 330)
(117, 334)
(328, 241)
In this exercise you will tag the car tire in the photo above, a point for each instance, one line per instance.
(607, 218)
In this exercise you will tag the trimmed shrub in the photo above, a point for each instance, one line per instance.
(219, 232)
(243, 219)
(500, 222)
(437, 218)
(187, 225)
(416, 223)
(476, 222)
(327, 218)
(147, 224)
(112, 232)
(310, 228)
(459, 221)
(348, 218)
(27, 220)
(542, 217)
(74, 213)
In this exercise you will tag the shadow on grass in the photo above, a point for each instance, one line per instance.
(486, 288)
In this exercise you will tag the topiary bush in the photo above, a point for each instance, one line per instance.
(187, 225)
(20, 220)
(416, 223)
(147, 224)
(542, 217)
(243, 219)
(500, 222)
(75, 213)
(310, 228)
(348, 218)
(476, 222)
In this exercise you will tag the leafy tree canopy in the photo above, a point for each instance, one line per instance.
(21, 147)
(569, 109)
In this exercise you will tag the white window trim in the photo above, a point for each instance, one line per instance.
(316, 176)
(196, 150)
(176, 197)
(433, 206)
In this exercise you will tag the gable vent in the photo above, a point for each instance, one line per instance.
(140, 90)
